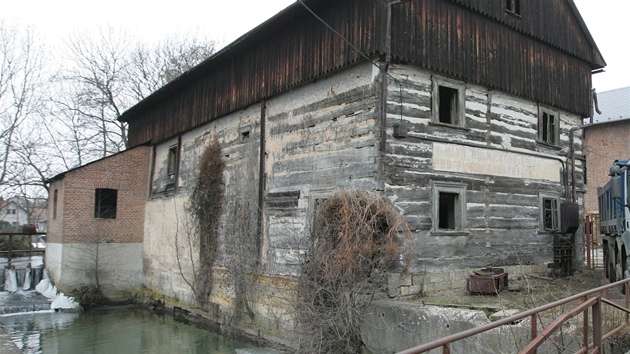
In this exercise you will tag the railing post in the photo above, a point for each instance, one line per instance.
(534, 329)
(10, 249)
(585, 325)
(597, 326)
(446, 349)
(627, 304)
(589, 243)
(30, 249)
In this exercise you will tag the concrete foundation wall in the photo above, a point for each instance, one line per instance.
(392, 326)
(117, 266)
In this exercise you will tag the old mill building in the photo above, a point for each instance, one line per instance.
(463, 113)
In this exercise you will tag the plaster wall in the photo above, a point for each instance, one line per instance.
(117, 266)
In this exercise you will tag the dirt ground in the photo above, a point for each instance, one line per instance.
(527, 292)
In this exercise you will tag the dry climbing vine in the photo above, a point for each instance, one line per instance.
(356, 237)
(205, 206)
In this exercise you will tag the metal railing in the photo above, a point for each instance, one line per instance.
(594, 303)
(11, 251)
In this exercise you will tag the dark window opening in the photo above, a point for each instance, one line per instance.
(172, 162)
(448, 105)
(447, 211)
(245, 134)
(548, 129)
(513, 6)
(550, 214)
(105, 201)
(55, 204)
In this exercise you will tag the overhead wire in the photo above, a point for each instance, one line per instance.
(359, 51)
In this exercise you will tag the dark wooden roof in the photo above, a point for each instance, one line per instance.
(546, 55)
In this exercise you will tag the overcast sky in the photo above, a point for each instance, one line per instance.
(226, 20)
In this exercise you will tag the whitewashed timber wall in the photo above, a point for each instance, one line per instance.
(495, 155)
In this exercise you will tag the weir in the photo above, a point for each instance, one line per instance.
(18, 280)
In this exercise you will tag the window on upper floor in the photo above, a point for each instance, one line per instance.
(513, 7)
(105, 202)
(548, 126)
(172, 162)
(448, 101)
(449, 207)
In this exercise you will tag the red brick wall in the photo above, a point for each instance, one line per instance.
(603, 144)
(127, 172)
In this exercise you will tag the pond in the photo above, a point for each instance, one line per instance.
(119, 330)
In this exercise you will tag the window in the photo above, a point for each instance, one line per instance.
(549, 213)
(105, 201)
(55, 194)
(10, 211)
(513, 7)
(244, 131)
(448, 98)
(449, 207)
(172, 162)
(548, 127)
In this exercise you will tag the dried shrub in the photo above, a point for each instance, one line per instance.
(204, 207)
(356, 237)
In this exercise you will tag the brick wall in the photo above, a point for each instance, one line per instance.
(603, 144)
(128, 173)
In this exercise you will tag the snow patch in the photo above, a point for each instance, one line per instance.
(58, 300)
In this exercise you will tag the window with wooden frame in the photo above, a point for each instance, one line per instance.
(548, 126)
(448, 101)
(549, 213)
(105, 203)
(513, 7)
(449, 207)
(172, 162)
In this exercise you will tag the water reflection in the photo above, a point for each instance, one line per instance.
(126, 330)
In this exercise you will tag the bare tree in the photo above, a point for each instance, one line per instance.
(154, 66)
(21, 91)
(106, 73)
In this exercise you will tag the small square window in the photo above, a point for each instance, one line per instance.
(549, 213)
(513, 7)
(448, 101)
(105, 201)
(548, 127)
(449, 207)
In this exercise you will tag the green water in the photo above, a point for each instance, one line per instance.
(119, 331)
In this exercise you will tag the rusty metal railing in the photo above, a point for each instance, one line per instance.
(10, 252)
(594, 303)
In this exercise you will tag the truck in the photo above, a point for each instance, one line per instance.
(614, 215)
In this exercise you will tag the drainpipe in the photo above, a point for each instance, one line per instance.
(384, 72)
(571, 139)
(261, 179)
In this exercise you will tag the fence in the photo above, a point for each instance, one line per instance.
(11, 251)
(537, 338)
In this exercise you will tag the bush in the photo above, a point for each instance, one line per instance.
(88, 296)
(356, 237)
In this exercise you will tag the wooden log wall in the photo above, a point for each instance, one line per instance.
(503, 196)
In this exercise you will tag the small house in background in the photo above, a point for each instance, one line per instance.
(458, 111)
(95, 224)
(18, 211)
